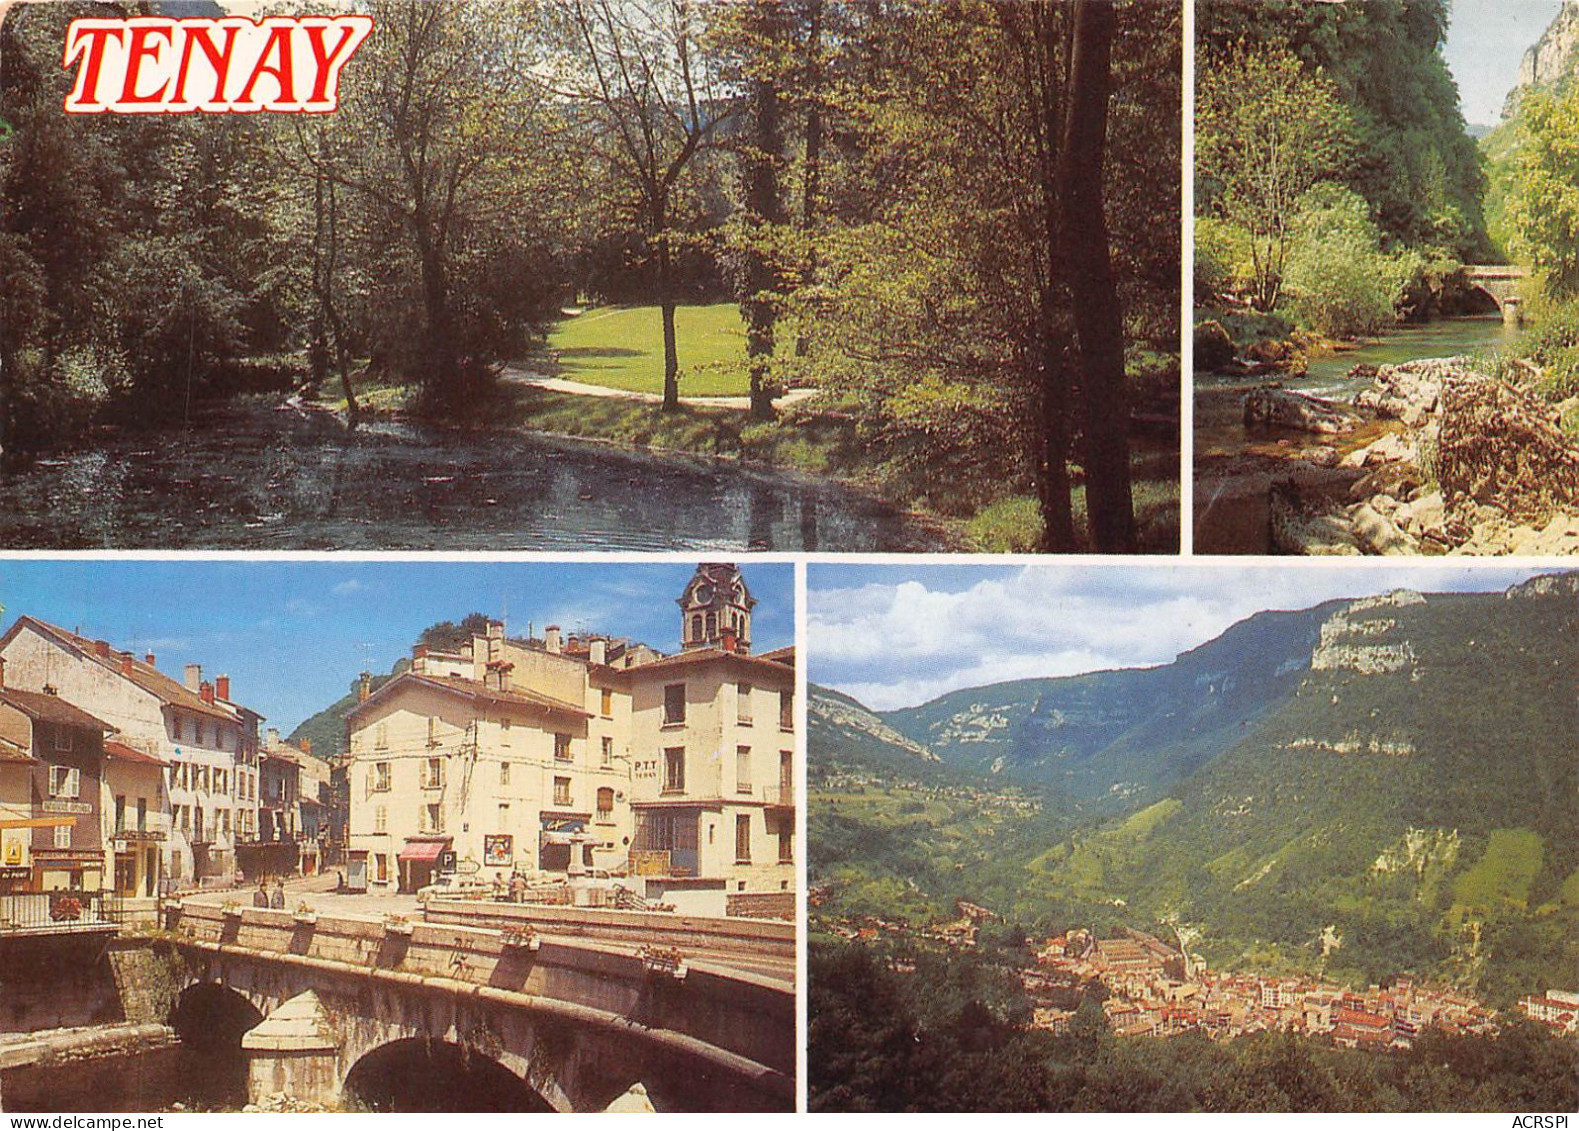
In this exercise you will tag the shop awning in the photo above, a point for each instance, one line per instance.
(423, 851)
(37, 822)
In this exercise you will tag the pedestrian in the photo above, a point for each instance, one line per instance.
(260, 898)
(277, 900)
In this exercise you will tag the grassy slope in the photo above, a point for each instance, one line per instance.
(622, 347)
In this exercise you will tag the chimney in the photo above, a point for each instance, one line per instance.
(126, 665)
(551, 638)
(101, 649)
(496, 630)
(599, 652)
(149, 660)
(365, 688)
(273, 736)
(307, 746)
(573, 644)
(206, 690)
(418, 651)
(194, 676)
(222, 687)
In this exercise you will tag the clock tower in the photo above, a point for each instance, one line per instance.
(715, 609)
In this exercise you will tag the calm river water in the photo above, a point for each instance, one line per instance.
(255, 477)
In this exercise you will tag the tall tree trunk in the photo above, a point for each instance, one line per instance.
(666, 304)
(764, 155)
(353, 411)
(1098, 319)
(1052, 454)
(811, 181)
(442, 377)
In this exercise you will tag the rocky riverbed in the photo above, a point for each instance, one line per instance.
(1432, 457)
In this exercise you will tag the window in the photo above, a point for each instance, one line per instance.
(786, 776)
(504, 773)
(380, 819)
(381, 736)
(63, 737)
(712, 625)
(433, 773)
(120, 811)
(562, 791)
(606, 708)
(561, 748)
(64, 781)
(743, 704)
(743, 839)
(433, 731)
(674, 769)
(786, 709)
(62, 836)
(142, 814)
(605, 803)
(786, 845)
(742, 769)
(608, 751)
(380, 777)
(381, 867)
(224, 821)
(674, 704)
(696, 626)
(432, 818)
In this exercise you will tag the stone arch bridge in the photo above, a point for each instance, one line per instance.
(1501, 282)
(578, 1021)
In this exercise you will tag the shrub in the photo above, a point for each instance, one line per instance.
(1339, 281)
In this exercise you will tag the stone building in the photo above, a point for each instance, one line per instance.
(209, 742)
(588, 752)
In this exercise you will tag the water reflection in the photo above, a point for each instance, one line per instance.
(246, 477)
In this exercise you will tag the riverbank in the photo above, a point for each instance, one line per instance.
(1442, 456)
(811, 438)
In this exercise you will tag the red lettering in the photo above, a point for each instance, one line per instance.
(279, 43)
(218, 59)
(139, 50)
(87, 92)
(325, 60)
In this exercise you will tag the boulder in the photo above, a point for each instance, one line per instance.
(1214, 348)
(1498, 445)
(1378, 534)
(1279, 408)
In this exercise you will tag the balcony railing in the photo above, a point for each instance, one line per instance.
(153, 827)
(58, 912)
(781, 796)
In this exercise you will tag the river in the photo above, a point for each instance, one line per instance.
(248, 476)
(1219, 407)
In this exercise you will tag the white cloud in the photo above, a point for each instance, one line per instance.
(903, 642)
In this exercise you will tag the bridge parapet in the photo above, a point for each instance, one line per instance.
(738, 1026)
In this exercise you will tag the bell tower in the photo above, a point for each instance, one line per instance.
(715, 609)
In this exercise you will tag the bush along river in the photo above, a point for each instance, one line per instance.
(256, 476)
(1435, 440)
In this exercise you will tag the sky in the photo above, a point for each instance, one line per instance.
(898, 636)
(1485, 41)
(293, 636)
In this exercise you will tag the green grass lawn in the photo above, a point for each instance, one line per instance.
(622, 347)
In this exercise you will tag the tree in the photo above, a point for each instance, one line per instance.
(444, 133)
(656, 109)
(1543, 213)
(1266, 130)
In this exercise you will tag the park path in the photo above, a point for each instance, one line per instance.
(582, 389)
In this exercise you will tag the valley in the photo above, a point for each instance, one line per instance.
(1364, 809)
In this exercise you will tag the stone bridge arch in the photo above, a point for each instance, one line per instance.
(569, 1056)
(1501, 283)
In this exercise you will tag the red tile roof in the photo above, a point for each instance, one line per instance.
(129, 754)
(52, 709)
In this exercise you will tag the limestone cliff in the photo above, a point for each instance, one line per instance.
(1552, 56)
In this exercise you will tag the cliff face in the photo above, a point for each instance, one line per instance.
(1552, 56)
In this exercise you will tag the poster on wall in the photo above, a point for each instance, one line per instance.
(498, 851)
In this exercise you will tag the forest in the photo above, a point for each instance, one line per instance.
(1337, 189)
(955, 223)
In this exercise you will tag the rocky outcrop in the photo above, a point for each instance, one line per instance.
(1552, 57)
(851, 717)
(1546, 585)
(1279, 408)
(1501, 446)
(1354, 644)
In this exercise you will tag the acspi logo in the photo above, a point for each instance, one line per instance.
(160, 65)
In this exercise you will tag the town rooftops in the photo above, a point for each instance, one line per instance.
(471, 689)
(44, 707)
(777, 660)
(170, 692)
